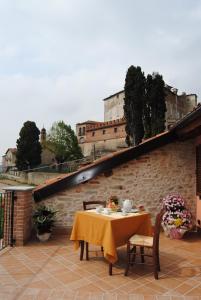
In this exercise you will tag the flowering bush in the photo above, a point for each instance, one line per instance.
(173, 202)
(176, 215)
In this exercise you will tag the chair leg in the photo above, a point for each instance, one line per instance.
(158, 262)
(142, 254)
(87, 251)
(155, 263)
(133, 252)
(110, 269)
(128, 259)
(81, 250)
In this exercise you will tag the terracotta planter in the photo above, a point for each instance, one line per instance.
(44, 237)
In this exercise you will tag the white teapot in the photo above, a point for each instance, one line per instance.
(127, 205)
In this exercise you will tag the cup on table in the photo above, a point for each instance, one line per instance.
(106, 211)
(99, 209)
(124, 212)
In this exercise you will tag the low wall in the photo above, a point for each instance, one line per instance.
(32, 178)
(145, 180)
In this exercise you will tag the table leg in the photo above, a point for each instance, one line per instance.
(110, 269)
(81, 250)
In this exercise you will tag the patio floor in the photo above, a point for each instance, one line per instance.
(52, 270)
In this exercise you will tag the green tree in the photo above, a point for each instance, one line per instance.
(147, 120)
(28, 153)
(154, 105)
(63, 141)
(133, 105)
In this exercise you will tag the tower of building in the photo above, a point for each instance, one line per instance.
(43, 135)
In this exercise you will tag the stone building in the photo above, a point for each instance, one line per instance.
(8, 159)
(108, 136)
(169, 162)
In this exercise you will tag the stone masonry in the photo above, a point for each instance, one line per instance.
(146, 180)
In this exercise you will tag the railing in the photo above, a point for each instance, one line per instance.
(6, 219)
(65, 167)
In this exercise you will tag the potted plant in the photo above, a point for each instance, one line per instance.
(44, 218)
(177, 219)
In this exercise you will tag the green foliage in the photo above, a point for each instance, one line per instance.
(28, 147)
(155, 107)
(144, 105)
(44, 219)
(63, 142)
(133, 105)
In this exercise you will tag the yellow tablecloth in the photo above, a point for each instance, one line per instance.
(109, 231)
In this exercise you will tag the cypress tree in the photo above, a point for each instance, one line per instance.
(133, 105)
(154, 105)
(147, 107)
(28, 153)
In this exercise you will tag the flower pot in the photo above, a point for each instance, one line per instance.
(44, 236)
(167, 229)
(177, 233)
(174, 232)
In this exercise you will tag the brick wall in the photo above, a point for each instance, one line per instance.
(145, 180)
(113, 131)
(23, 208)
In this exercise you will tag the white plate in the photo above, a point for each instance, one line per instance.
(134, 210)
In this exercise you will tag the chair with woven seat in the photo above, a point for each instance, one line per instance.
(91, 205)
(151, 244)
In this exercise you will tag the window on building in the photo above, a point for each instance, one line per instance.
(83, 131)
(104, 131)
(115, 129)
(93, 133)
(80, 131)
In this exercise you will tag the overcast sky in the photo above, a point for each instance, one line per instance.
(60, 58)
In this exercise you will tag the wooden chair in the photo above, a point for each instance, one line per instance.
(145, 242)
(91, 205)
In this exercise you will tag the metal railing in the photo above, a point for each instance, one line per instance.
(6, 219)
(65, 167)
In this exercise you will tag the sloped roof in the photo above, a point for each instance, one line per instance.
(115, 159)
(101, 165)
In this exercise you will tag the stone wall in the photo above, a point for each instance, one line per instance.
(103, 146)
(32, 178)
(113, 107)
(146, 180)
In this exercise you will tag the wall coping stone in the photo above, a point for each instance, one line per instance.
(22, 188)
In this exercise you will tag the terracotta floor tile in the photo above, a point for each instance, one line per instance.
(90, 288)
(157, 287)
(53, 270)
(67, 277)
(143, 290)
(184, 288)
(155, 297)
(196, 291)
(130, 287)
(43, 294)
(169, 283)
